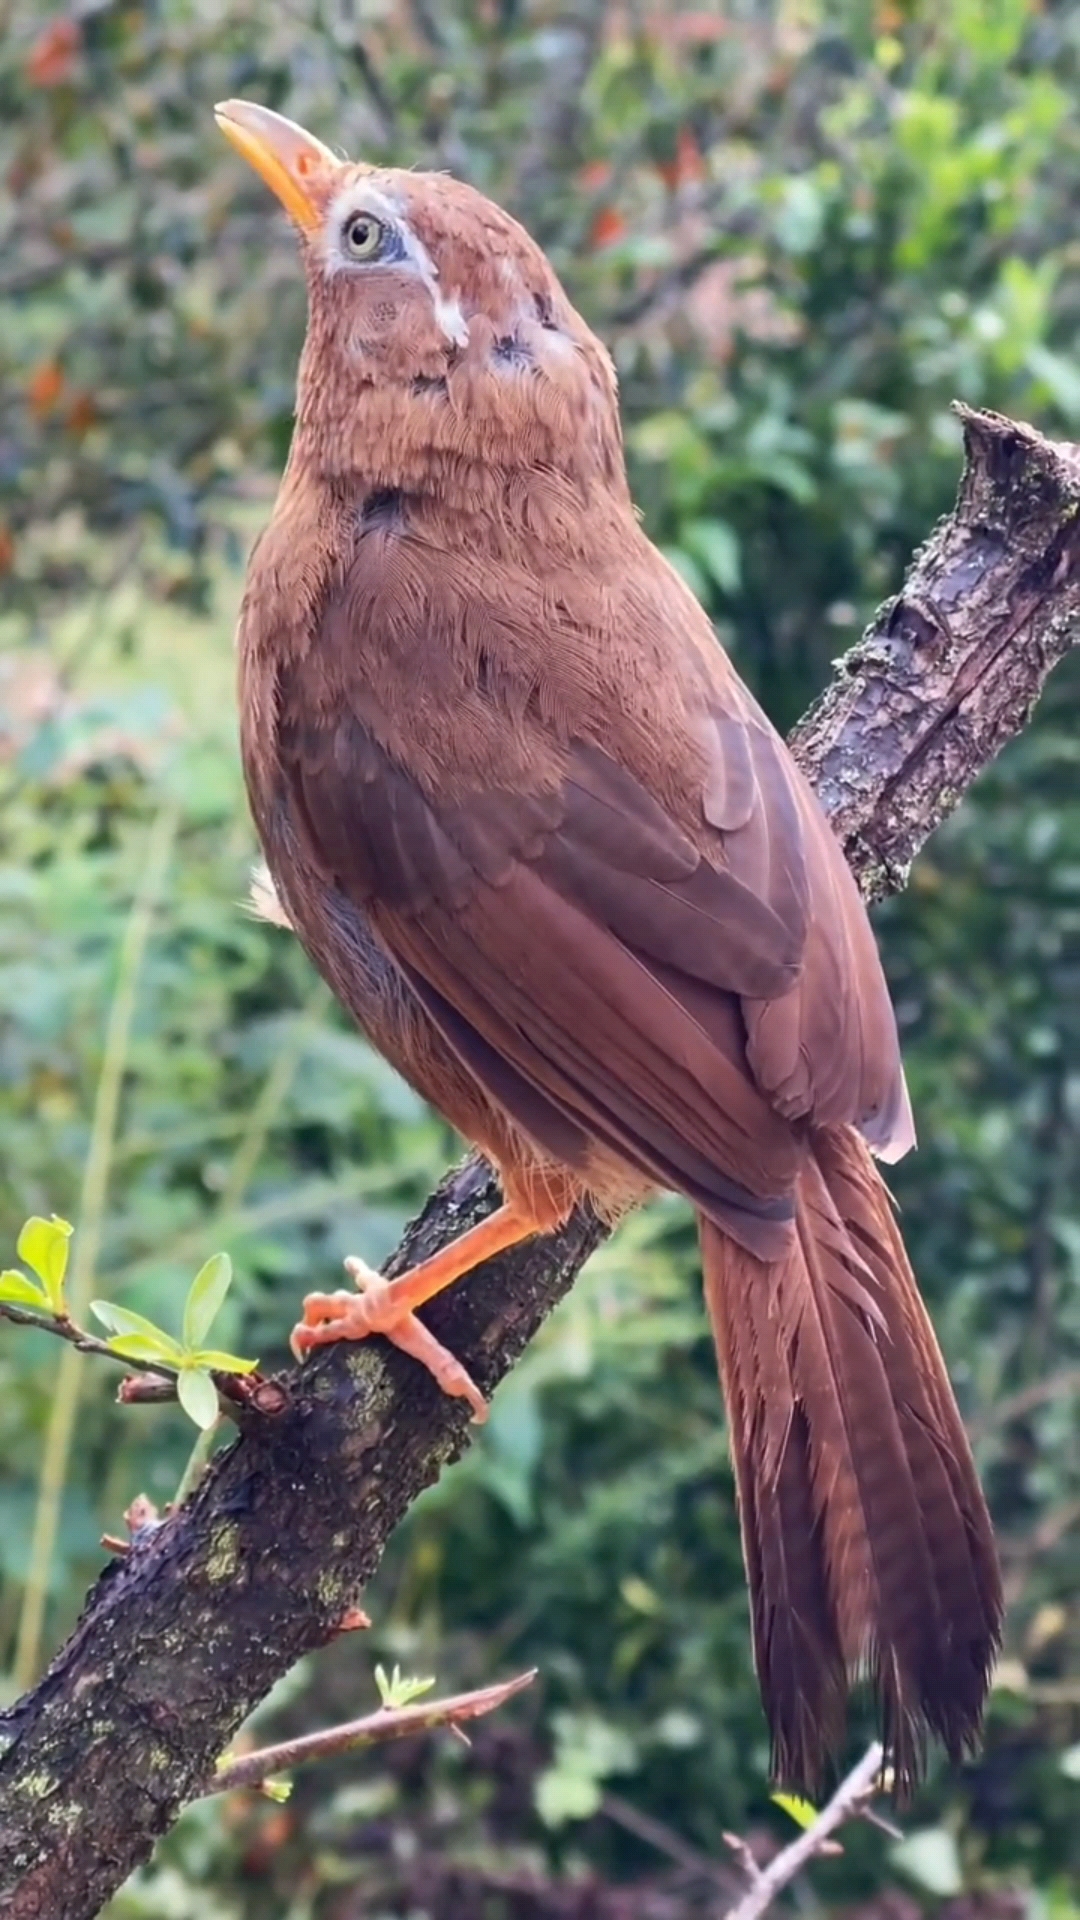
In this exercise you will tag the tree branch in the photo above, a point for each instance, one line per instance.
(183, 1636)
(155, 1381)
(59, 1325)
(850, 1798)
(951, 669)
(388, 1723)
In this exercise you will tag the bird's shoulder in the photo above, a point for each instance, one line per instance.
(459, 720)
(478, 649)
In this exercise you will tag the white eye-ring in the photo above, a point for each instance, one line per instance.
(363, 236)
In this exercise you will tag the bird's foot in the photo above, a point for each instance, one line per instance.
(377, 1308)
(389, 1306)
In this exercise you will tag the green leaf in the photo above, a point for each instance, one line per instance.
(587, 1743)
(803, 1812)
(1060, 376)
(716, 546)
(216, 1362)
(140, 1346)
(197, 1395)
(401, 1688)
(122, 1320)
(278, 1787)
(113, 1318)
(43, 1244)
(930, 1858)
(205, 1296)
(587, 1749)
(561, 1794)
(23, 1292)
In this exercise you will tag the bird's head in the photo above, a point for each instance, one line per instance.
(435, 320)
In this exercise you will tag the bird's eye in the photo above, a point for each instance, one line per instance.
(362, 236)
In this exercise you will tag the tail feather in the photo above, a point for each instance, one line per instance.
(868, 1546)
(799, 1660)
(867, 1211)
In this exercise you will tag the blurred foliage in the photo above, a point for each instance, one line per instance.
(803, 230)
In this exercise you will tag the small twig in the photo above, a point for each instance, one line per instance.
(389, 1723)
(373, 81)
(158, 1382)
(656, 1833)
(425, 20)
(65, 1329)
(87, 1343)
(767, 1882)
(91, 260)
(268, 1102)
(674, 281)
(144, 1391)
(878, 1820)
(742, 1853)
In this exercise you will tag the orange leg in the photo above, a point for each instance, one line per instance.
(388, 1306)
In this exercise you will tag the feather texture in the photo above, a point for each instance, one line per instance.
(850, 1455)
(542, 842)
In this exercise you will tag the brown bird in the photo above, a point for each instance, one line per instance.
(544, 845)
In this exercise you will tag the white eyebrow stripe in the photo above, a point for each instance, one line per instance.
(358, 197)
(448, 312)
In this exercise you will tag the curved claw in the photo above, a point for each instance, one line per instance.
(388, 1306)
(318, 1310)
(329, 1317)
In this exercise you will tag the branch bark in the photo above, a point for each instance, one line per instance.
(181, 1638)
(851, 1797)
(388, 1723)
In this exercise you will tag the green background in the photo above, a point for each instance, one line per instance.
(803, 230)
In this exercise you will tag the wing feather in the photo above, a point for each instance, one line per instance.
(682, 981)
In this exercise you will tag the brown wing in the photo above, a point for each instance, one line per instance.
(575, 941)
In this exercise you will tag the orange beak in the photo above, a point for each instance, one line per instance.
(295, 166)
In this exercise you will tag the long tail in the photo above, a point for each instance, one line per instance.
(867, 1542)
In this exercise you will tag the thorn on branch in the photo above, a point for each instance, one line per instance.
(353, 1620)
(140, 1517)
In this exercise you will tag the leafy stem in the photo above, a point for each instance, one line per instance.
(389, 1722)
(196, 1372)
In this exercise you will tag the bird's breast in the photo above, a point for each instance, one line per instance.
(476, 649)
